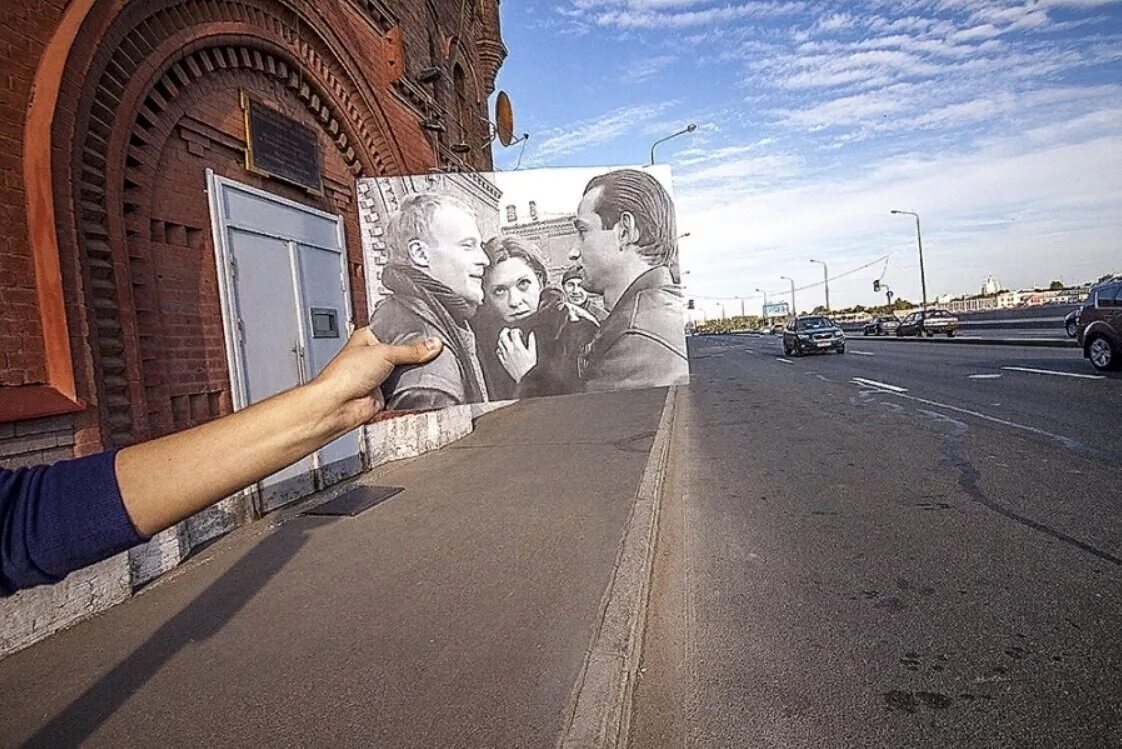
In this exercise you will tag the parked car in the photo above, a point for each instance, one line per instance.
(1100, 326)
(812, 334)
(928, 323)
(1071, 323)
(884, 325)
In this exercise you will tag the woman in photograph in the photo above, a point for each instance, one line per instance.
(528, 335)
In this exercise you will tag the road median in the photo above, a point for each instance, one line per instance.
(959, 340)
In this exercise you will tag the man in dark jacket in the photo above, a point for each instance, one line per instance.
(627, 247)
(435, 271)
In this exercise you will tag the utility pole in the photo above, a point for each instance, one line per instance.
(794, 307)
(826, 275)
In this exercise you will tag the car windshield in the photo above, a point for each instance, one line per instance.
(814, 323)
(938, 313)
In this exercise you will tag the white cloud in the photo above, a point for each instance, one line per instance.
(603, 129)
(645, 68)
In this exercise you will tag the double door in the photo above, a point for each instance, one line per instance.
(286, 311)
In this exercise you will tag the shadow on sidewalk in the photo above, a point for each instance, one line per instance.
(199, 620)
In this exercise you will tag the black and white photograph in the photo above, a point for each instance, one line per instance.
(538, 282)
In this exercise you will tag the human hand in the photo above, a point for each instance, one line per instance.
(350, 383)
(517, 356)
(577, 313)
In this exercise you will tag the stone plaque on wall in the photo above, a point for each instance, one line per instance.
(279, 146)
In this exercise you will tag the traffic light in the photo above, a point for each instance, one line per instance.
(876, 285)
(689, 304)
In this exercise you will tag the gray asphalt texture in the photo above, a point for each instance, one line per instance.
(456, 614)
(842, 566)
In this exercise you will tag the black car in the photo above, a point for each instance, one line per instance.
(883, 325)
(1100, 326)
(812, 334)
(1071, 323)
(928, 323)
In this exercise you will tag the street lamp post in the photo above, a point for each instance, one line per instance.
(687, 129)
(794, 308)
(919, 241)
(767, 320)
(826, 275)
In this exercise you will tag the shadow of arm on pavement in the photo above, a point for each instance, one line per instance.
(202, 618)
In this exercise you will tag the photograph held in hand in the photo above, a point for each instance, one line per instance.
(578, 294)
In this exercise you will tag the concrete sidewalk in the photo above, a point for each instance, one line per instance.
(458, 613)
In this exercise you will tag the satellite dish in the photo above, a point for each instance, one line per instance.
(504, 119)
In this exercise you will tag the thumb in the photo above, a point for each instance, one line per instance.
(418, 352)
(533, 341)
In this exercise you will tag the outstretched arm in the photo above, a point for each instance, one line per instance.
(171, 478)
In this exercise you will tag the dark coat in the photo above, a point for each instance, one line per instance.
(642, 343)
(560, 341)
(415, 312)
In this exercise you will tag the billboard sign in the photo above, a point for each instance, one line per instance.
(778, 309)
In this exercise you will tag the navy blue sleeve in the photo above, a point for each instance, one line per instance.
(59, 518)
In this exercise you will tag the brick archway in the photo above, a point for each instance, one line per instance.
(148, 68)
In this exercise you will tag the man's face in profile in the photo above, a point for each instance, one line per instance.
(597, 247)
(574, 291)
(454, 253)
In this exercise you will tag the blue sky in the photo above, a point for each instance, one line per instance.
(999, 122)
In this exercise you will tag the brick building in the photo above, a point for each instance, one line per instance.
(116, 115)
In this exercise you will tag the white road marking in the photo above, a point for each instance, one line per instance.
(880, 385)
(1053, 372)
(984, 376)
(1067, 442)
(862, 353)
(785, 361)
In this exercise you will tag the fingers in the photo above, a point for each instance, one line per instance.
(418, 352)
(363, 336)
(533, 344)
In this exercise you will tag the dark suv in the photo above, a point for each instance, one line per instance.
(1100, 325)
(813, 333)
(928, 323)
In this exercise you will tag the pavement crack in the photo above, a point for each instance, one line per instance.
(969, 478)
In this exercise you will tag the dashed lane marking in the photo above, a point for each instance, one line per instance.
(984, 376)
(785, 361)
(880, 385)
(1054, 372)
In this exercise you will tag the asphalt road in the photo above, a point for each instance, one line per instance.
(930, 555)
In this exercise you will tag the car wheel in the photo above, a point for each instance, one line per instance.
(1070, 327)
(950, 334)
(1102, 353)
(841, 349)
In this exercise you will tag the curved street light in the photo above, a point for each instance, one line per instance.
(919, 241)
(687, 129)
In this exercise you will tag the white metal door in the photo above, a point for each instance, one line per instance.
(286, 310)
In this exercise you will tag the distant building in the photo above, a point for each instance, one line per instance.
(991, 287)
(556, 237)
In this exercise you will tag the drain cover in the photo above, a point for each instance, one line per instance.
(355, 501)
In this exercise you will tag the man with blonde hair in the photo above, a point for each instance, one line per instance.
(435, 271)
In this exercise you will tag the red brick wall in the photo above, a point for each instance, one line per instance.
(24, 31)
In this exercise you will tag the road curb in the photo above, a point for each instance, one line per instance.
(600, 712)
(1030, 342)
